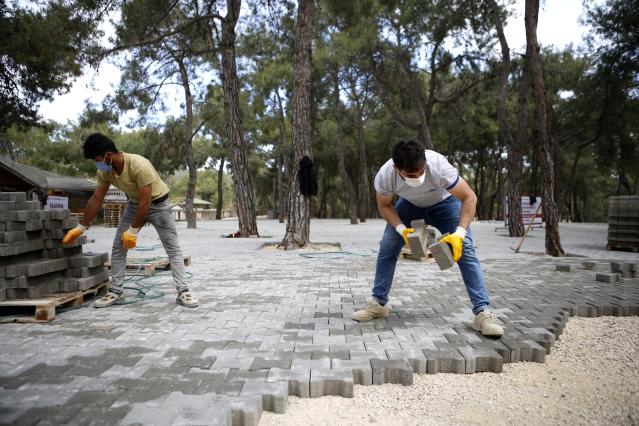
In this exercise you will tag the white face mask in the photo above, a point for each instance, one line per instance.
(415, 182)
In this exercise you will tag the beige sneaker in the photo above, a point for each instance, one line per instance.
(187, 299)
(371, 311)
(109, 299)
(484, 323)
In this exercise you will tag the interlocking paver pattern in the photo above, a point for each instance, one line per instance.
(272, 324)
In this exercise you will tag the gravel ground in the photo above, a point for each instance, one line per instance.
(590, 377)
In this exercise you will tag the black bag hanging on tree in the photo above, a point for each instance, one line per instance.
(308, 179)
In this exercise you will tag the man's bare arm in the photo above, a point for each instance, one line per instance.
(144, 204)
(386, 209)
(469, 202)
(93, 205)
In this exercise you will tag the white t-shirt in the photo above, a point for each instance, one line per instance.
(440, 176)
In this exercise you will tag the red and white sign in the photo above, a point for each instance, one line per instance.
(55, 202)
(528, 211)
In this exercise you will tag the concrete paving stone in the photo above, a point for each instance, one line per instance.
(608, 278)
(383, 346)
(360, 369)
(331, 382)
(7, 206)
(274, 394)
(13, 196)
(97, 415)
(25, 215)
(53, 234)
(164, 372)
(131, 372)
(442, 254)
(266, 364)
(481, 360)
(75, 284)
(70, 222)
(242, 345)
(415, 357)
(83, 272)
(379, 354)
(88, 260)
(330, 354)
(298, 380)
(298, 326)
(43, 267)
(589, 265)
(194, 362)
(311, 363)
(45, 416)
(305, 347)
(239, 363)
(14, 283)
(62, 251)
(497, 345)
(146, 390)
(140, 414)
(27, 205)
(20, 247)
(12, 237)
(392, 371)
(563, 268)
(235, 375)
(59, 214)
(445, 361)
(526, 350)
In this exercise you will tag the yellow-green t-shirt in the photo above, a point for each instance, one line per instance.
(137, 172)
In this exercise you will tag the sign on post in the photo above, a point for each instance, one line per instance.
(55, 202)
(528, 210)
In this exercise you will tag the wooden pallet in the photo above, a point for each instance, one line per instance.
(407, 254)
(112, 214)
(622, 247)
(141, 267)
(44, 308)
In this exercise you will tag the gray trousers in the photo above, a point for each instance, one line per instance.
(161, 217)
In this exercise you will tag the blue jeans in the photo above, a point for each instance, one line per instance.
(445, 217)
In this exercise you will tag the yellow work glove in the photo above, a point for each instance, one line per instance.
(130, 238)
(74, 233)
(455, 241)
(404, 232)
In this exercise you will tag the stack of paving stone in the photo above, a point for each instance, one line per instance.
(33, 260)
(623, 222)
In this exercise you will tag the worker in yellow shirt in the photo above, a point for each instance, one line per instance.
(148, 201)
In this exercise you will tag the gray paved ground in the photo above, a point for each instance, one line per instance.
(273, 324)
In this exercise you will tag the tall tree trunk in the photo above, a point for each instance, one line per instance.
(284, 167)
(424, 112)
(220, 190)
(363, 166)
(323, 199)
(298, 224)
(481, 193)
(241, 177)
(351, 200)
(188, 146)
(513, 146)
(551, 217)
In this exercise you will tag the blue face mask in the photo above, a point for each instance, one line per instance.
(101, 165)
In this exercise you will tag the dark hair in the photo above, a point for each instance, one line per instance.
(409, 155)
(97, 144)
